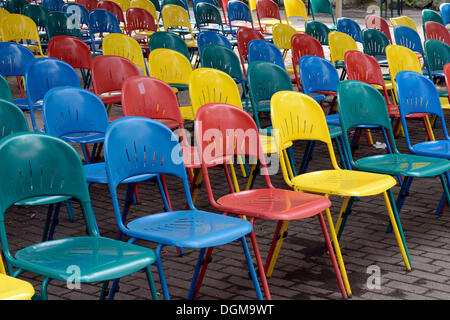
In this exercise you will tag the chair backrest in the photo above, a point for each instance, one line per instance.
(12, 119)
(221, 58)
(206, 13)
(179, 3)
(374, 42)
(61, 23)
(244, 36)
(437, 31)
(19, 27)
(262, 50)
(15, 6)
(140, 19)
(408, 37)
(322, 6)
(282, 34)
(267, 9)
(431, 15)
(295, 8)
(211, 37)
(123, 4)
(110, 72)
(207, 85)
(238, 11)
(168, 40)
(176, 16)
(317, 30)
(169, 66)
(350, 27)
(265, 79)
(37, 13)
(445, 12)
(71, 50)
(101, 20)
(14, 59)
(438, 55)
(363, 67)
(62, 103)
(5, 90)
(77, 10)
(124, 46)
(112, 7)
(403, 21)
(339, 44)
(89, 4)
(317, 74)
(378, 23)
(53, 5)
(147, 5)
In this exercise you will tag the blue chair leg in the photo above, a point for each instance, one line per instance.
(162, 278)
(306, 157)
(196, 273)
(251, 268)
(54, 221)
(345, 215)
(48, 220)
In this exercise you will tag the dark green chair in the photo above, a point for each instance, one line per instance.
(437, 54)
(207, 17)
(324, 7)
(62, 24)
(361, 104)
(318, 30)
(168, 40)
(374, 44)
(5, 90)
(38, 165)
(39, 15)
(15, 6)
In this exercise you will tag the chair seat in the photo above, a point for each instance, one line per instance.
(438, 148)
(15, 289)
(189, 229)
(344, 182)
(84, 137)
(274, 204)
(96, 173)
(113, 98)
(39, 201)
(317, 96)
(98, 258)
(404, 165)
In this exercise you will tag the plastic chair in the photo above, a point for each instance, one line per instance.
(176, 16)
(351, 96)
(438, 54)
(15, 27)
(282, 34)
(445, 13)
(5, 90)
(317, 30)
(322, 6)
(14, 59)
(100, 22)
(168, 40)
(262, 50)
(179, 3)
(350, 27)
(39, 15)
(149, 6)
(339, 44)
(123, 4)
(378, 23)
(403, 21)
(15, 6)
(239, 15)
(268, 203)
(336, 182)
(374, 44)
(100, 259)
(409, 38)
(42, 75)
(125, 46)
(53, 5)
(73, 51)
(140, 25)
(89, 4)
(295, 9)
(60, 23)
(267, 9)
(207, 17)
(114, 8)
(211, 37)
(244, 36)
(211, 229)
(430, 15)
(437, 31)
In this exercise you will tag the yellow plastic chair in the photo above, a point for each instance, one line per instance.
(296, 116)
(339, 44)
(117, 44)
(150, 7)
(176, 16)
(403, 21)
(3, 12)
(174, 69)
(295, 9)
(13, 288)
(282, 34)
(15, 27)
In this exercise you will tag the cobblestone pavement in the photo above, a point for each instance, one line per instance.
(303, 270)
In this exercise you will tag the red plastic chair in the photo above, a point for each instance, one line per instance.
(139, 19)
(236, 134)
(378, 23)
(73, 51)
(435, 30)
(365, 68)
(112, 7)
(267, 9)
(304, 45)
(89, 4)
(108, 75)
(244, 36)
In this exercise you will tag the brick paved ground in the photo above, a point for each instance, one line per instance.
(303, 270)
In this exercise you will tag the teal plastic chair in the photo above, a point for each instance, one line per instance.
(361, 104)
(325, 7)
(438, 55)
(430, 15)
(317, 30)
(168, 40)
(38, 165)
(374, 44)
(5, 90)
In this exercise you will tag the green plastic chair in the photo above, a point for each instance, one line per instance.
(12, 119)
(374, 44)
(62, 24)
(437, 55)
(5, 90)
(323, 6)
(39, 15)
(430, 15)
(38, 165)
(15, 6)
(168, 40)
(361, 104)
(318, 30)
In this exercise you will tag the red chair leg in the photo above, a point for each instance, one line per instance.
(276, 236)
(202, 271)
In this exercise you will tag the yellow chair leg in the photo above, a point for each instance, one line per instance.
(369, 134)
(277, 249)
(396, 232)
(341, 213)
(196, 188)
(241, 164)
(250, 177)
(233, 176)
(430, 128)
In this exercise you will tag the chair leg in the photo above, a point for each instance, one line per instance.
(54, 221)
(260, 265)
(306, 157)
(276, 236)
(151, 283)
(343, 215)
(69, 209)
(196, 273)
(332, 256)
(47, 223)
(273, 253)
(205, 260)
(44, 286)
(252, 176)
(104, 291)
(401, 198)
(445, 199)
(162, 277)
(251, 268)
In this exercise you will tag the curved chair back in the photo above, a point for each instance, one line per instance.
(176, 16)
(403, 21)
(12, 119)
(37, 13)
(5, 90)
(317, 30)
(62, 24)
(139, 19)
(322, 6)
(53, 5)
(430, 15)
(170, 66)
(168, 40)
(15, 6)
(146, 5)
(221, 58)
(207, 14)
(445, 13)
(409, 38)
(123, 4)
(339, 44)
(211, 37)
(350, 27)
(374, 42)
(262, 50)
(88, 4)
(77, 10)
(267, 9)
(437, 31)
(14, 59)
(71, 50)
(438, 55)
(244, 36)
(295, 8)
(378, 23)
(282, 34)
(112, 7)
(317, 75)
(20, 27)
(238, 11)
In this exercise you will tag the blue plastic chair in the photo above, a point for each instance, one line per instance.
(53, 5)
(238, 11)
(350, 27)
(408, 37)
(101, 21)
(154, 149)
(81, 12)
(445, 12)
(211, 37)
(262, 50)
(14, 59)
(44, 74)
